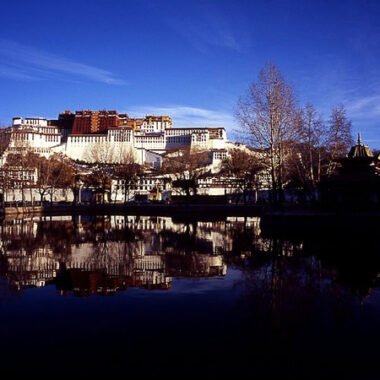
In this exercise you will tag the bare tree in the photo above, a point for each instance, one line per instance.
(339, 136)
(53, 172)
(266, 115)
(100, 152)
(186, 166)
(21, 164)
(5, 184)
(127, 170)
(100, 181)
(244, 167)
(309, 150)
(4, 138)
(123, 153)
(44, 176)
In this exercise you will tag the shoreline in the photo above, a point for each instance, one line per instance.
(293, 221)
(143, 209)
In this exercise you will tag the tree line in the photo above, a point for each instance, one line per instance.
(28, 173)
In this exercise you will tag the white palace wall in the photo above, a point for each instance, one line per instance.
(110, 147)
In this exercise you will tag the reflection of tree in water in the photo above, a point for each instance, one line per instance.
(351, 257)
(58, 236)
(185, 240)
(102, 263)
(287, 291)
(354, 257)
(297, 282)
(189, 253)
(25, 262)
(18, 235)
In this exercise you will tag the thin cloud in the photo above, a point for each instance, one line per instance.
(209, 36)
(23, 62)
(10, 72)
(206, 26)
(184, 116)
(365, 107)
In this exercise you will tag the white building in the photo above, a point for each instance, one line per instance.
(16, 177)
(144, 188)
(144, 142)
(153, 124)
(33, 134)
(117, 141)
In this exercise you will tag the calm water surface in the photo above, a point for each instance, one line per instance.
(152, 295)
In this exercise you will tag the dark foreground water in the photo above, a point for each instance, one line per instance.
(142, 296)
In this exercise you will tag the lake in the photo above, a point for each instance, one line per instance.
(160, 296)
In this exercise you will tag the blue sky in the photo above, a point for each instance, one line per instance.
(189, 59)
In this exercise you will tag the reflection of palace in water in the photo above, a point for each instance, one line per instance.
(101, 255)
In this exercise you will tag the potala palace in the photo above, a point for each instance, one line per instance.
(90, 138)
(108, 137)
